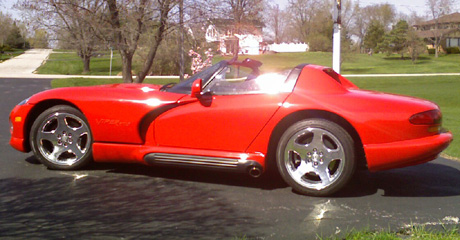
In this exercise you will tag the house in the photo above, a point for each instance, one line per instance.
(448, 30)
(226, 35)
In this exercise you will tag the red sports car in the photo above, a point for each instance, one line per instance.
(316, 126)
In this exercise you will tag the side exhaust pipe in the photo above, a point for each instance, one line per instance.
(255, 172)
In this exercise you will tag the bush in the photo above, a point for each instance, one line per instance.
(6, 48)
(431, 51)
(453, 50)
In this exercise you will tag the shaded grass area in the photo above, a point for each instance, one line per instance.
(11, 54)
(443, 90)
(79, 82)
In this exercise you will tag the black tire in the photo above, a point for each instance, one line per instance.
(316, 157)
(61, 139)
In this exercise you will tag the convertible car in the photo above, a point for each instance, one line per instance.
(310, 124)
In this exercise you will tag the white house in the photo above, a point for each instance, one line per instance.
(223, 33)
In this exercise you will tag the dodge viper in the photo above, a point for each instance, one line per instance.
(311, 124)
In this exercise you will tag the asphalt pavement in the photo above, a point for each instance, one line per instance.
(118, 201)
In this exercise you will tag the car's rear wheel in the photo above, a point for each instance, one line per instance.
(61, 138)
(316, 157)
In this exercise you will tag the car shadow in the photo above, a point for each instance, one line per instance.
(425, 180)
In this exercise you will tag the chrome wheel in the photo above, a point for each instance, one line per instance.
(61, 138)
(314, 158)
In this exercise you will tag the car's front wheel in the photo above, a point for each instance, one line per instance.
(61, 139)
(316, 157)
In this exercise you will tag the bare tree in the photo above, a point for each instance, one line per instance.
(128, 20)
(243, 11)
(437, 9)
(277, 21)
(384, 14)
(302, 14)
(165, 7)
(71, 19)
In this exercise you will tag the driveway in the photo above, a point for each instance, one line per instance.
(117, 201)
(25, 64)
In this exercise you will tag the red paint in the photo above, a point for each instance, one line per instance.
(129, 121)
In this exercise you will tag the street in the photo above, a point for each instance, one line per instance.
(117, 201)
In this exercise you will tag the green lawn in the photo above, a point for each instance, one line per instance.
(443, 90)
(70, 64)
(360, 63)
(74, 82)
(416, 232)
(7, 55)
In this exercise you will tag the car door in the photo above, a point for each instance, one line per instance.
(227, 117)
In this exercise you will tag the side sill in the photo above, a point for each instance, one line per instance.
(193, 161)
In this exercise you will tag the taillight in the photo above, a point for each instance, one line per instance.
(431, 117)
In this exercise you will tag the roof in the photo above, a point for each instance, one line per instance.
(432, 33)
(450, 18)
(248, 26)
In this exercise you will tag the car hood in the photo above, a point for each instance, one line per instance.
(112, 92)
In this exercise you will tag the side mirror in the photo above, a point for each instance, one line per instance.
(197, 88)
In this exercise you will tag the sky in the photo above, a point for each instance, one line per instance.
(405, 6)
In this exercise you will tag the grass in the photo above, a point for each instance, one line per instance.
(69, 63)
(416, 232)
(78, 82)
(7, 55)
(360, 63)
(443, 90)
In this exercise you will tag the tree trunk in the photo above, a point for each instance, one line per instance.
(164, 11)
(127, 60)
(436, 47)
(86, 61)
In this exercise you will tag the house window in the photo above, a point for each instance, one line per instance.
(453, 42)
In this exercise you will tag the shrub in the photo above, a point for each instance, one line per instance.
(453, 50)
(431, 51)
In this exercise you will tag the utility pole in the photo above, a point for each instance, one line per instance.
(181, 44)
(336, 37)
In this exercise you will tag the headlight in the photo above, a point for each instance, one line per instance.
(23, 101)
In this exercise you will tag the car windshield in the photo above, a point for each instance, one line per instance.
(206, 75)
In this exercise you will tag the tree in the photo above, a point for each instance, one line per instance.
(302, 14)
(128, 20)
(277, 21)
(165, 7)
(243, 11)
(15, 39)
(72, 20)
(415, 45)
(396, 39)
(437, 9)
(40, 39)
(363, 16)
(6, 24)
(375, 36)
